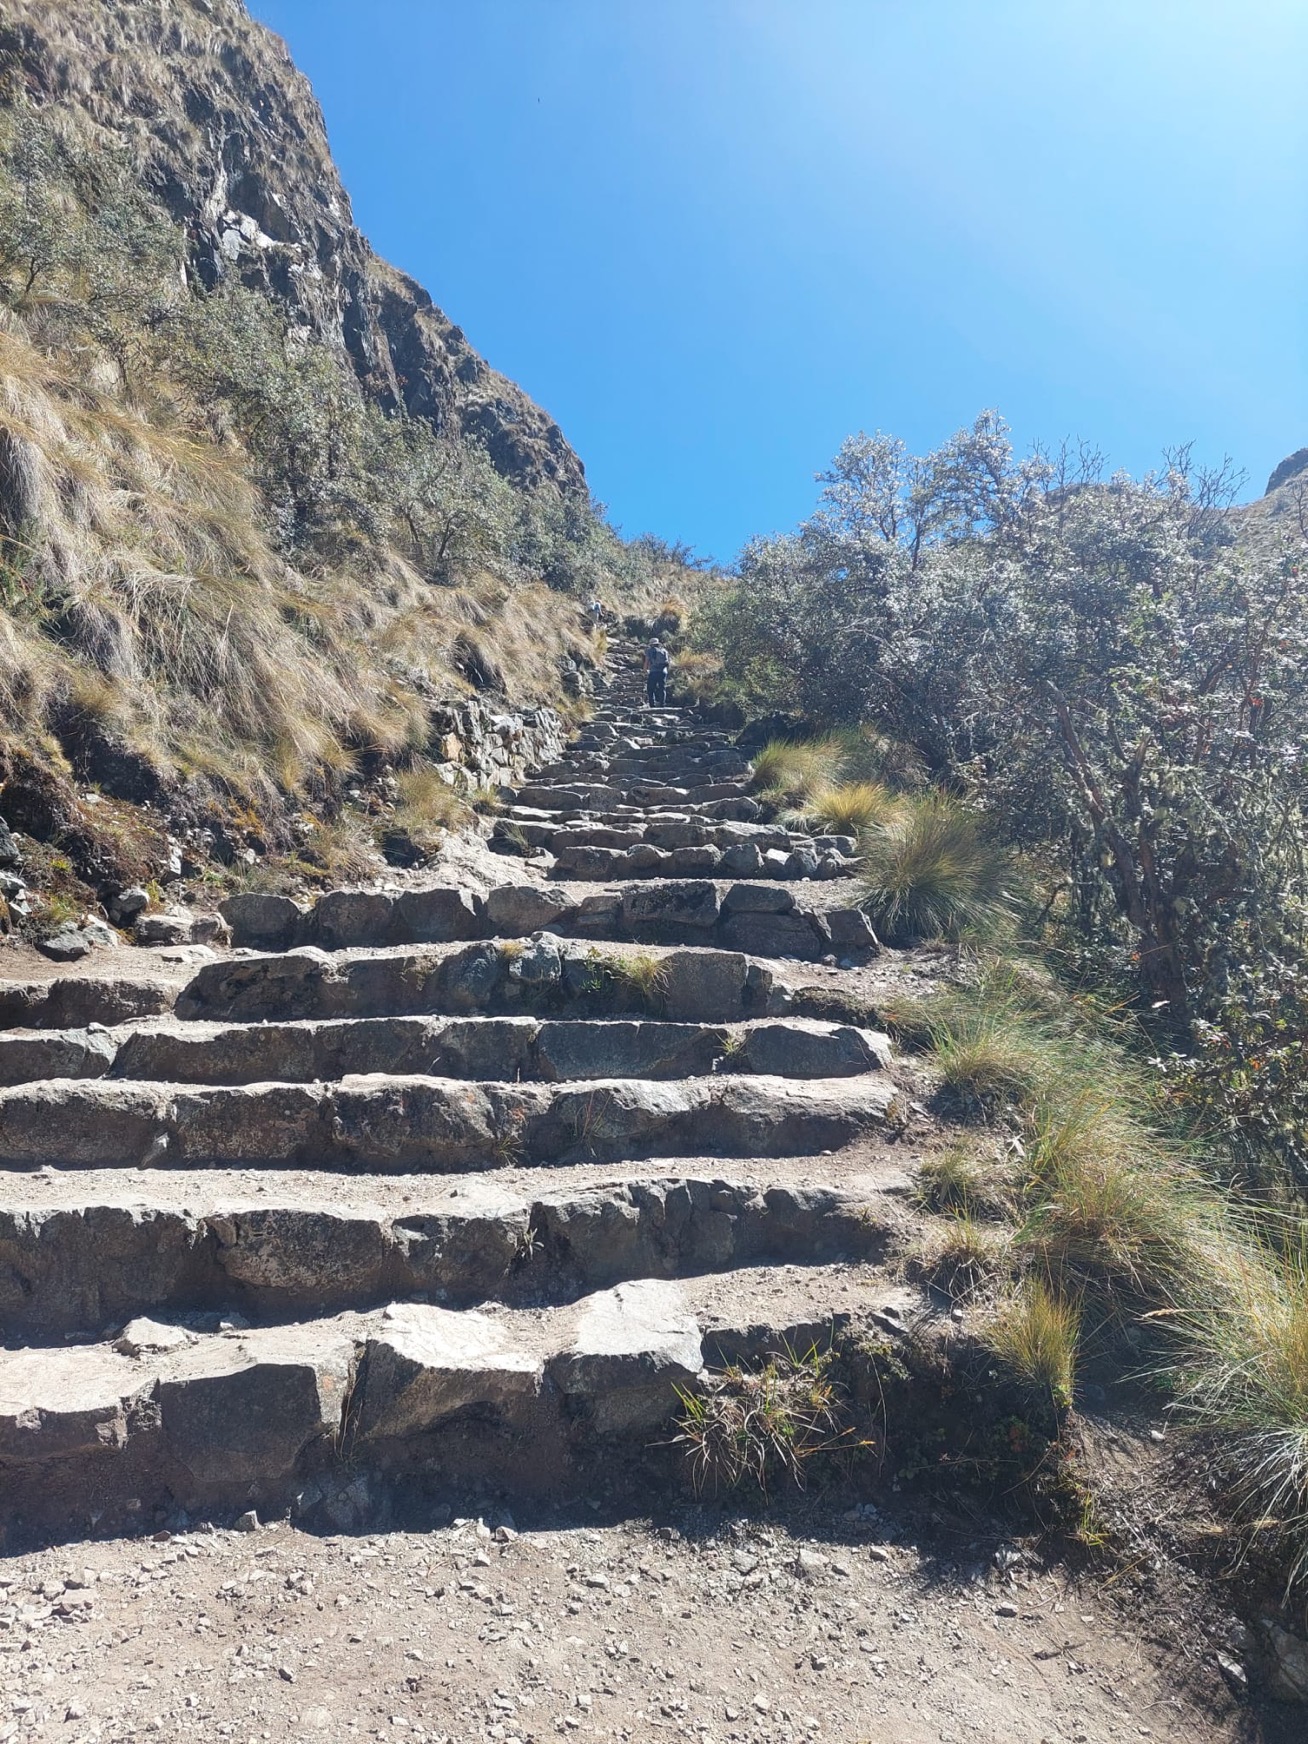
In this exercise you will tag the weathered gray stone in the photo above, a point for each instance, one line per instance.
(68, 945)
(308, 1254)
(81, 1124)
(245, 1411)
(599, 916)
(349, 919)
(741, 860)
(641, 857)
(850, 930)
(425, 1364)
(704, 986)
(694, 862)
(179, 926)
(467, 1244)
(587, 862)
(437, 915)
(808, 1048)
(668, 911)
(758, 899)
(681, 833)
(1286, 1659)
(57, 1403)
(775, 935)
(539, 963)
(261, 921)
(470, 979)
(516, 909)
(143, 1337)
(55, 1053)
(626, 1049)
(633, 1347)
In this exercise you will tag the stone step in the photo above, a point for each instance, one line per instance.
(74, 1000)
(390, 1124)
(446, 914)
(508, 1048)
(743, 860)
(539, 1402)
(227, 1246)
(545, 976)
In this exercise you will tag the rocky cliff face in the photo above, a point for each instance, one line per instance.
(230, 137)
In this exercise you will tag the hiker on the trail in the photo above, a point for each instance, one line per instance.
(656, 674)
(596, 613)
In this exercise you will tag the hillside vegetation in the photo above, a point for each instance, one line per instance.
(238, 566)
(1067, 713)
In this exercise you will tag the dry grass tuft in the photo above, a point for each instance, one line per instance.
(1035, 1333)
(932, 874)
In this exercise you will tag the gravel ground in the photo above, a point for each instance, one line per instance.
(714, 1628)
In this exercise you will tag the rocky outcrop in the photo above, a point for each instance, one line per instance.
(231, 139)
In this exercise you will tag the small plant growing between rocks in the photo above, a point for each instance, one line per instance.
(766, 1426)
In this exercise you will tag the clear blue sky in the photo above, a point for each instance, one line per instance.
(715, 236)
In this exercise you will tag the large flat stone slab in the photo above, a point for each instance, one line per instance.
(632, 1349)
(423, 1365)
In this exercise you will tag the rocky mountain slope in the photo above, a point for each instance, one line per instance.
(268, 524)
(229, 137)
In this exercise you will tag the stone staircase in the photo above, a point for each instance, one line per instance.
(433, 1189)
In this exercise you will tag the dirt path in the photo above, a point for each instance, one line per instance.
(712, 1629)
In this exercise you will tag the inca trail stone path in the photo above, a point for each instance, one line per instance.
(424, 1196)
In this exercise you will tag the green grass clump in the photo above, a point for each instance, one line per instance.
(764, 1426)
(1035, 1333)
(1243, 1376)
(931, 873)
(848, 808)
(787, 771)
(964, 1255)
(1108, 1203)
(957, 1179)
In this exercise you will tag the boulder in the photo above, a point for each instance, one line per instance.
(800, 1048)
(55, 1053)
(1286, 1662)
(758, 899)
(302, 1253)
(626, 1049)
(68, 945)
(801, 863)
(466, 1245)
(345, 920)
(633, 1348)
(599, 916)
(516, 909)
(54, 1403)
(642, 857)
(678, 833)
(438, 915)
(127, 904)
(741, 860)
(668, 911)
(425, 1364)
(850, 930)
(694, 862)
(471, 978)
(775, 935)
(586, 862)
(241, 1413)
(538, 963)
(701, 986)
(11, 855)
(261, 921)
(144, 1337)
